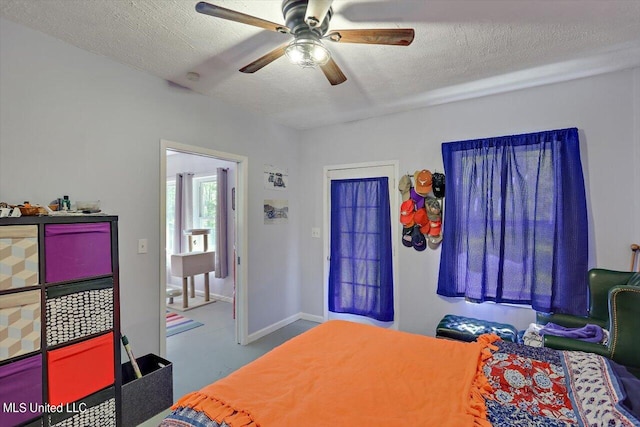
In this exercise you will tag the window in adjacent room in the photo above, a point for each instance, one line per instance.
(204, 210)
(171, 215)
(204, 190)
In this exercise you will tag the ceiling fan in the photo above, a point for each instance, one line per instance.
(308, 22)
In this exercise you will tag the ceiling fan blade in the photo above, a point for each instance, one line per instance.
(316, 11)
(232, 15)
(265, 60)
(390, 36)
(333, 73)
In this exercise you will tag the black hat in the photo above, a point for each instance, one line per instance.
(438, 184)
(418, 240)
(406, 236)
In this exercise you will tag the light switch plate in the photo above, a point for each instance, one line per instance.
(315, 232)
(142, 246)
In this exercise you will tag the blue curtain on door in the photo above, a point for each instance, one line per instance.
(360, 269)
(515, 225)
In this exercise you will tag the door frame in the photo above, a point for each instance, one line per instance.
(241, 260)
(326, 238)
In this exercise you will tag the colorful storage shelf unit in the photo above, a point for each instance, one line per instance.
(59, 322)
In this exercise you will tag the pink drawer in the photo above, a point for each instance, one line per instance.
(76, 251)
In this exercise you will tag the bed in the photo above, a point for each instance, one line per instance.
(347, 374)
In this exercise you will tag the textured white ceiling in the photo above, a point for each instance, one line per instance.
(456, 42)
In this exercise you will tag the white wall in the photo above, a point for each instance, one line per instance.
(75, 123)
(601, 107)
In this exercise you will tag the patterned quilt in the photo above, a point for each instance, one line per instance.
(530, 387)
(544, 387)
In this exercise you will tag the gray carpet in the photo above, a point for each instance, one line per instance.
(205, 354)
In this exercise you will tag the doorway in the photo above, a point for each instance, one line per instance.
(237, 239)
(388, 169)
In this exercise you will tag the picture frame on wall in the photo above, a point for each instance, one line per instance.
(276, 211)
(275, 178)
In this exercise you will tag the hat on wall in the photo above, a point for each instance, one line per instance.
(407, 210)
(435, 228)
(423, 182)
(418, 240)
(404, 186)
(421, 220)
(417, 198)
(407, 240)
(434, 210)
(438, 184)
(434, 241)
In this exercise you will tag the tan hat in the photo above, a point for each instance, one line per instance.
(423, 179)
(405, 187)
(434, 241)
(433, 209)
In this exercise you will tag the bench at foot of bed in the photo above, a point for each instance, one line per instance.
(469, 329)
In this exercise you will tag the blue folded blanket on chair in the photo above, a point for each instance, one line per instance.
(588, 333)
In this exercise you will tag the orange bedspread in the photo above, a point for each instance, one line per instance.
(347, 374)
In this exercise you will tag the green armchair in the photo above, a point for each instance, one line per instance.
(623, 323)
(600, 282)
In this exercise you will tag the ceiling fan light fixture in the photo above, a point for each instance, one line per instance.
(307, 53)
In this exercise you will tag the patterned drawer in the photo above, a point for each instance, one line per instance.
(77, 251)
(18, 256)
(19, 323)
(78, 370)
(78, 310)
(20, 391)
(96, 410)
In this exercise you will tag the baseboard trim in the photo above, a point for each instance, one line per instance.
(282, 323)
(216, 297)
(272, 328)
(222, 298)
(311, 317)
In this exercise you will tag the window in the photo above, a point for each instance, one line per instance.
(204, 204)
(515, 226)
(171, 215)
(204, 210)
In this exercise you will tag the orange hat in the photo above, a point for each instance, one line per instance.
(407, 211)
(435, 228)
(420, 218)
(423, 181)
